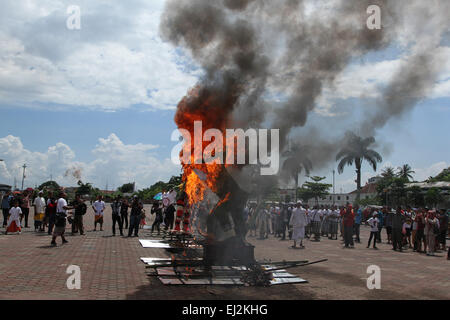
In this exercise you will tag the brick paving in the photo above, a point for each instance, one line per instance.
(110, 269)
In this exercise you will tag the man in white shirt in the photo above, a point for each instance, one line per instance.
(99, 206)
(373, 223)
(39, 211)
(60, 221)
(298, 222)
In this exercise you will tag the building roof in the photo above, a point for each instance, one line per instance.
(427, 185)
(368, 188)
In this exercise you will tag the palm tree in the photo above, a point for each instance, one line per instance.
(388, 172)
(405, 172)
(356, 151)
(297, 161)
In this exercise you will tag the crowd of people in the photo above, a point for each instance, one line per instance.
(420, 229)
(51, 215)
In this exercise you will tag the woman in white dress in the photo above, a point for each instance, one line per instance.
(14, 219)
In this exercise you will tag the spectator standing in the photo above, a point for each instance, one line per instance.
(13, 225)
(6, 205)
(358, 220)
(431, 232)
(116, 218)
(169, 216)
(443, 228)
(39, 212)
(407, 225)
(124, 213)
(25, 206)
(135, 216)
(262, 222)
(157, 210)
(334, 222)
(388, 223)
(298, 223)
(80, 211)
(284, 222)
(60, 221)
(397, 225)
(373, 223)
(99, 207)
(348, 219)
(420, 225)
(50, 212)
(315, 223)
(380, 218)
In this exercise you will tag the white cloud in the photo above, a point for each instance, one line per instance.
(115, 61)
(422, 174)
(114, 163)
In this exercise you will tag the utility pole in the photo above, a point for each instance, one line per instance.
(23, 175)
(334, 193)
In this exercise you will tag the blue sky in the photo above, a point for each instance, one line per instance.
(103, 98)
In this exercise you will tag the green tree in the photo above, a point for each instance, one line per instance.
(388, 172)
(433, 197)
(398, 190)
(297, 160)
(314, 189)
(357, 150)
(49, 185)
(416, 196)
(84, 188)
(405, 172)
(126, 188)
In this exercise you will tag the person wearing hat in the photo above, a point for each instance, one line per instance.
(39, 211)
(373, 223)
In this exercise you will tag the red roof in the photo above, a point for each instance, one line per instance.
(368, 188)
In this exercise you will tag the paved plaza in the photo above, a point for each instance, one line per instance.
(110, 269)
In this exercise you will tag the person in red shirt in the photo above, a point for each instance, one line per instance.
(419, 219)
(348, 217)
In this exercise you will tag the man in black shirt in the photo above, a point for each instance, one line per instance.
(124, 213)
(116, 216)
(135, 216)
(80, 211)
